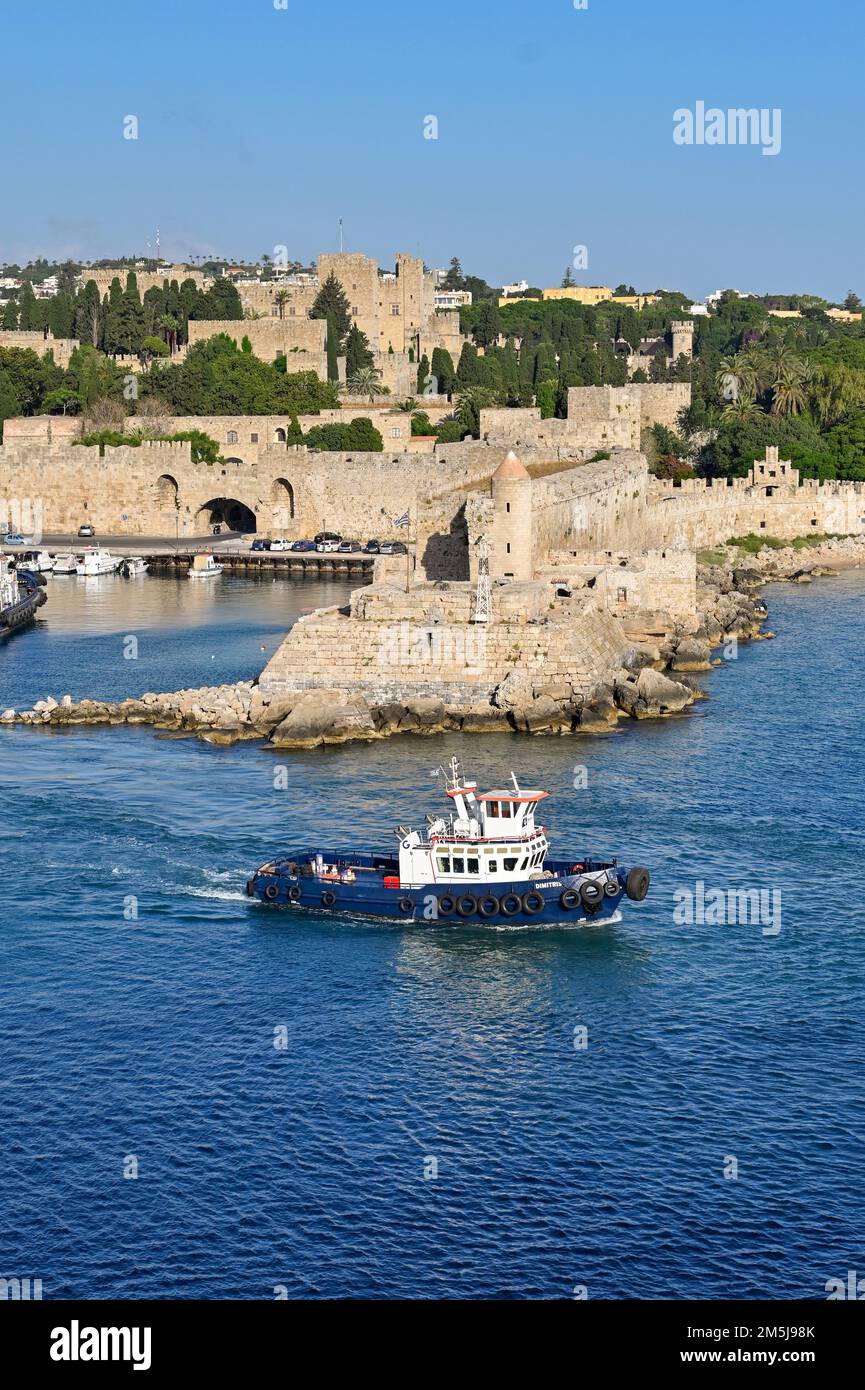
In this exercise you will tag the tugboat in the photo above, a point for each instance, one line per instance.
(486, 862)
(22, 592)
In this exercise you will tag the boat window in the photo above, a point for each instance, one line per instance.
(505, 809)
(492, 808)
(473, 866)
(525, 863)
(444, 865)
(458, 865)
(492, 866)
(510, 865)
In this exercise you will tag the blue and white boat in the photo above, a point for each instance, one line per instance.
(486, 861)
(22, 593)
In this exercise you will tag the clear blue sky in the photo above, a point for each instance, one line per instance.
(260, 127)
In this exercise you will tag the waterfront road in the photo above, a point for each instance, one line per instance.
(230, 542)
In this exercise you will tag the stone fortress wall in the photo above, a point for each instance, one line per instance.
(39, 342)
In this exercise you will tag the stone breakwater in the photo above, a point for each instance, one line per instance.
(653, 680)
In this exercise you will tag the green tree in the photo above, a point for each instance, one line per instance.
(358, 354)
(423, 373)
(443, 370)
(332, 350)
(10, 314)
(331, 304)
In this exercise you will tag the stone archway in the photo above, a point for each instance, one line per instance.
(167, 490)
(282, 497)
(229, 513)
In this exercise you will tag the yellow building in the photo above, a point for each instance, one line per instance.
(600, 294)
(581, 294)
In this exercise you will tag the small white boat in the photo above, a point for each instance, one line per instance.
(65, 563)
(134, 565)
(96, 561)
(38, 561)
(204, 567)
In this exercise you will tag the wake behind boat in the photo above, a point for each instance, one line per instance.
(486, 861)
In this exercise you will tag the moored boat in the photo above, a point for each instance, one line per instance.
(39, 561)
(204, 567)
(65, 563)
(22, 593)
(133, 566)
(96, 561)
(485, 862)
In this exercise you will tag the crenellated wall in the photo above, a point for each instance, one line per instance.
(708, 512)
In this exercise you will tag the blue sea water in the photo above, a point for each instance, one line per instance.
(150, 1040)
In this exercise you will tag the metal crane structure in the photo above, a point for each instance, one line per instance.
(483, 605)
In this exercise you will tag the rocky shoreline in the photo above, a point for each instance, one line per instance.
(654, 681)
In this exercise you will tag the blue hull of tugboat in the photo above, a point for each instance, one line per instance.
(555, 898)
(31, 587)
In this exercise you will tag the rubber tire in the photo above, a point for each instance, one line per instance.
(637, 884)
(532, 897)
(488, 905)
(271, 892)
(328, 899)
(406, 905)
(591, 895)
(612, 888)
(447, 905)
(569, 899)
(294, 893)
(467, 898)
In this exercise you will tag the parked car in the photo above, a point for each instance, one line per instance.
(392, 548)
(349, 547)
(13, 538)
(372, 547)
(86, 530)
(327, 536)
(280, 545)
(327, 547)
(260, 544)
(303, 545)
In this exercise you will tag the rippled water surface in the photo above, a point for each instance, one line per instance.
(149, 1040)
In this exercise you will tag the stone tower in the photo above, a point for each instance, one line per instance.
(511, 556)
(683, 338)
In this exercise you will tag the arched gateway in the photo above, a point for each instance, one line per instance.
(228, 513)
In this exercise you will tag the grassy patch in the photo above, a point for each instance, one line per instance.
(710, 557)
(751, 543)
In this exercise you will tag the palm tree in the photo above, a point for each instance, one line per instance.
(742, 411)
(171, 328)
(469, 402)
(280, 299)
(788, 392)
(366, 381)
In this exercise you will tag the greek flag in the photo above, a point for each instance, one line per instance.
(401, 520)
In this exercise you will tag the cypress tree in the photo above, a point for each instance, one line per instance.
(443, 370)
(358, 353)
(332, 350)
(331, 303)
(422, 375)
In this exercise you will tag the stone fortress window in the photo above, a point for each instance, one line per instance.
(231, 437)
